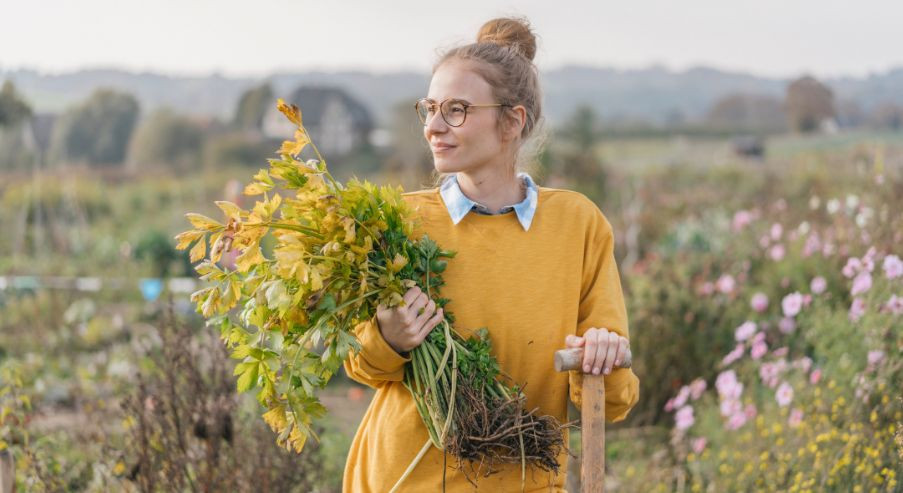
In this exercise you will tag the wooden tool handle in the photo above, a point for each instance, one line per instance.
(572, 359)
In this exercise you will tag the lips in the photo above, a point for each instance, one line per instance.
(442, 147)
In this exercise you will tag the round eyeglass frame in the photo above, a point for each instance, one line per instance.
(441, 105)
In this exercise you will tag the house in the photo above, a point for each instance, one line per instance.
(337, 123)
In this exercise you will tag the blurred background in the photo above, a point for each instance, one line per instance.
(747, 155)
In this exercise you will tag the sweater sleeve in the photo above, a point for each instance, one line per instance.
(602, 306)
(377, 363)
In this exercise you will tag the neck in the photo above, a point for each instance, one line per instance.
(494, 188)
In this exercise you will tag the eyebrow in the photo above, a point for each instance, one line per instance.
(453, 99)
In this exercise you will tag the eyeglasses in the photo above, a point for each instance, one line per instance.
(454, 111)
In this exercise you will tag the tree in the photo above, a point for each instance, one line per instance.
(96, 131)
(808, 104)
(252, 107)
(578, 161)
(887, 115)
(13, 108)
(744, 111)
(169, 139)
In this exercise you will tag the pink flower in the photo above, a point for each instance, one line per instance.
(868, 260)
(728, 386)
(861, 283)
(813, 244)
(803, 363)
(697, 387)
(669, 406)
(815, 376)
(734, 355)
(857, 309)
(730, 407)
(875, 357)
(741, 220)
(726, 284)
(682, 396)
(759, 337)
(776, 231)
(818, 285)
(893, 267)
(736, 421)
(792, 303)
(780, 352)
(769, 373)
(707, 288)
(758, 350)
(684, 418)
(764, 241)
(784, 394)
(787, 325)
(796, 417)
(750, 411)
(777, 252)
(853, 267)
(894, 304)
(759, 302)
(745, 331)
(698, 445)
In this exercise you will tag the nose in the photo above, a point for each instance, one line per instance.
(434, 125)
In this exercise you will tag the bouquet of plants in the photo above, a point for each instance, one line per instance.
(338, 251)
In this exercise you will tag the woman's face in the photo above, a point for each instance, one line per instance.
(475, 144)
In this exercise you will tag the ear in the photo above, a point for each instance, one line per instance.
(516, 119)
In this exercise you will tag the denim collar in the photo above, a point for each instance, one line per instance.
(459, 205)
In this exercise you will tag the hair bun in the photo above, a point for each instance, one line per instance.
(509, 31)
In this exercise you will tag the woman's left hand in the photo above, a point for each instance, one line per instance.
(602, 349)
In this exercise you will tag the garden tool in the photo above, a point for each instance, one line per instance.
(592, 418)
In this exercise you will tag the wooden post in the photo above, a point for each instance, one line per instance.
(7, 472)
(592, 418)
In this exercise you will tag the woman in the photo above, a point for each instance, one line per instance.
(534, 265)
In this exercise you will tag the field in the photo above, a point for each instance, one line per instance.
(766, 321)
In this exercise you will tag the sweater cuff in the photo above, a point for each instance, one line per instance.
(376, 350)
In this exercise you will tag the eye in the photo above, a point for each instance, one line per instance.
(456, 108)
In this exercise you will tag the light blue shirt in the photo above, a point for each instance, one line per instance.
(459, 205)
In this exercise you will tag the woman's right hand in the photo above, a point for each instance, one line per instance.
(405, 327)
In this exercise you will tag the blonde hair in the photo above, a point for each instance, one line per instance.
(503, 57)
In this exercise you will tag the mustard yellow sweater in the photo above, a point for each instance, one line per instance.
(530, 289)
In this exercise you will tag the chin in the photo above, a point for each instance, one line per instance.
(444, 166)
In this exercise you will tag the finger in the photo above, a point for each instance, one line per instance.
(428, 311)
(419, 302)
(573, 341)
(622, 351)
(589, 350)
(411, 294)
(430, 324)
(613, 344)
(601, 351)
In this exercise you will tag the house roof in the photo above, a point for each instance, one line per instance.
(312, 101)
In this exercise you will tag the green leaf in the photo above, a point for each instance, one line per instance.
(248, 379)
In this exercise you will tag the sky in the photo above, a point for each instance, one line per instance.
(771, 38)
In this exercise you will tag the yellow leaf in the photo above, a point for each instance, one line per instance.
(275, 417)
(198, 251)
(297, 439)
(251, 257)
(203, 222)
(255, 188)
(398, 263)
(231, 210)
(185, 239)
(290, 111)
